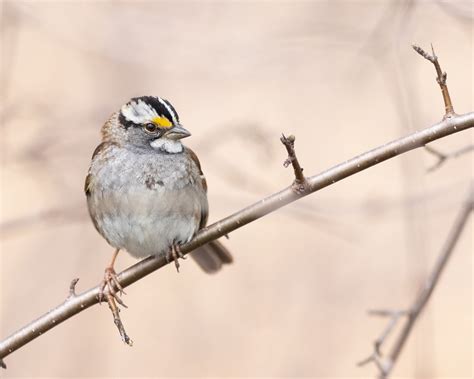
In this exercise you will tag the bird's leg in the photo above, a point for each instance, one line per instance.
(175, 253)
(111, 282)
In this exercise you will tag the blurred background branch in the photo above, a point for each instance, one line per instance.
(442, 157)
(385, 364)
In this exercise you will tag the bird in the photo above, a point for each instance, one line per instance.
(146, 192)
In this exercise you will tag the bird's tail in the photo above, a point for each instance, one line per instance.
(211, 256)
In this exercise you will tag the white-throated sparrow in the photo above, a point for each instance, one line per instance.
(145, 191)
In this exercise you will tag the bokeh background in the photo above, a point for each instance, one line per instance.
(343, 78)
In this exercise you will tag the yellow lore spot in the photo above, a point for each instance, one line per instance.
(162, 122)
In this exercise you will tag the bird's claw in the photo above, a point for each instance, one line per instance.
(175, 253)
(113, 285)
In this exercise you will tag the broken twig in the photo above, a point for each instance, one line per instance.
(300, 185)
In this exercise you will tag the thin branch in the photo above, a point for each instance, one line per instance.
(300, 185)
(433, 279)
(386, 364)
(441, 79)
(79, 303)
(443, 157)
(117, 320)
(377, 356)
(394, 316)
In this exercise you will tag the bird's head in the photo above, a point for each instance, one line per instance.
(151, 122)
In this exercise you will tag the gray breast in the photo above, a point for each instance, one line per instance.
(146, 202)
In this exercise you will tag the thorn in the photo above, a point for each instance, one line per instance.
(72, 288)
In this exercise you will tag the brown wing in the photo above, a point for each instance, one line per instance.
(88, 184)
(211, 256)
(205, 212)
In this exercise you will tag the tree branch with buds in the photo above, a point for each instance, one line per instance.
(300, 185)
(76, 303)
(440, 78)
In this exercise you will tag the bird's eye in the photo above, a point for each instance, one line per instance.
(150, 128)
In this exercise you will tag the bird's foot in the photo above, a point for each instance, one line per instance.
(113, 286)
(175, 253)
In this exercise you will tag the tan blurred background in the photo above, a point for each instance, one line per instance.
(343, 78)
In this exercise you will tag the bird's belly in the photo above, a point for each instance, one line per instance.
(144, 224)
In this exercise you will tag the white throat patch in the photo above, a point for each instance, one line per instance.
(138, 112)
(167, 145)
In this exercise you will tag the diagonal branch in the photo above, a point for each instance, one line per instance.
(76, 304)
(433, 278)
(385, 364)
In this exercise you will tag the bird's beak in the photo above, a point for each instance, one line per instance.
(176, 133)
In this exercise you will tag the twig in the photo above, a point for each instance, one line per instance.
(300, 185)
(386, 364)
(80, 302)
(441, 79)
(394, 316)
(72, 288)
(377, 356)
(443, 157)
(117, 320)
